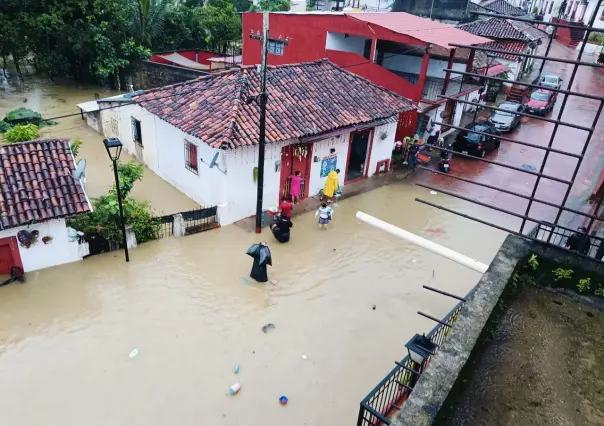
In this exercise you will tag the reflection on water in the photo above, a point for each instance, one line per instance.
(66, 334)
(61, 98)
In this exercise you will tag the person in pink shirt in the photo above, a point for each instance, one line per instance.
(294, 186)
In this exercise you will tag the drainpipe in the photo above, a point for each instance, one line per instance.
(424, 243)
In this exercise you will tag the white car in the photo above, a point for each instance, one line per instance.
(550, 81)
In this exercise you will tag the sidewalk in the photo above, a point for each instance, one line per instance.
(349, 190)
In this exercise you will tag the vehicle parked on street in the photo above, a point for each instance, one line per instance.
(541, 102)
(550, 81)
(509, 119)
(477, 145)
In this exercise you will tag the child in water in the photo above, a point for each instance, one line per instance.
(324, 213)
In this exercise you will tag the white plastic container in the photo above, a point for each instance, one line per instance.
(234, 389)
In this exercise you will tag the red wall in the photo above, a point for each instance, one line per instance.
(375, 73)
(202, 56)
(307, 35)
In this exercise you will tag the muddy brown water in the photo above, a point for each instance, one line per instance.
(61, 98)
(66, 334)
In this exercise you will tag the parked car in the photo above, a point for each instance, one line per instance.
(550, 81)
(540, 102)
(507, 120)
(478, 145)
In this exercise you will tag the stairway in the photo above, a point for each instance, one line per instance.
(517, 94)
(576, 35)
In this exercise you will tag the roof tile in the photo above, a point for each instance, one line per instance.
(223, 117)
(25, 182)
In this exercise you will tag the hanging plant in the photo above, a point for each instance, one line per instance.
(255, 174)
(47, 239)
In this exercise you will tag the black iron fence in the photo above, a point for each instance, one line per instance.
(197, 220)
(548, 232)
(389, 395)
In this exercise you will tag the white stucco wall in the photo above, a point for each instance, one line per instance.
(321, 149)
(413, 64)
(39, 255)
(382, 148)
(339, 41)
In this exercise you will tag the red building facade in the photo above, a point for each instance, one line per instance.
(398, 51)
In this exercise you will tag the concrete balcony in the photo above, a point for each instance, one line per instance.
(433, 86)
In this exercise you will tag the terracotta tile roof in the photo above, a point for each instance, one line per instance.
(36, 183)
(529, 30)
(509, 46)
(502, 7)
(495, 28)
(304, 99)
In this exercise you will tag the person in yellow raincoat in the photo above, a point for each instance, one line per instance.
(331, 185)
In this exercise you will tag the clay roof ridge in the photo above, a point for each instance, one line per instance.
(242, 86)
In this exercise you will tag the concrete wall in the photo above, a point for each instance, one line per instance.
(39, 255)
(412, 64)
(321, 149)
(149, 75)
(352, 43)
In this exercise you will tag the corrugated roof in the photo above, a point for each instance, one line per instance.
(305, 99)
(420, 28)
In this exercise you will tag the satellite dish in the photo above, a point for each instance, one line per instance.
(213, 162)
(78, 173)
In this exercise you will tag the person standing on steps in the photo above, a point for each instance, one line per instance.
(295, 186)
(331, 185)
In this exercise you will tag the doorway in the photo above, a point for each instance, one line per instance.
(358, 153)
(9, 255)
(296, 157)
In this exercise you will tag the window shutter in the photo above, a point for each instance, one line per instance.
(193, 155)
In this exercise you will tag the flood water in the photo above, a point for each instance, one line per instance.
(66, 334)
(60, 98)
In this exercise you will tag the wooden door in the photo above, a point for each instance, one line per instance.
(294, 158)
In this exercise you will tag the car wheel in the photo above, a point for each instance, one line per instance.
(497, 144)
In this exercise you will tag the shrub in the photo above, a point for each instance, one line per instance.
(75, 146)
(23, 133)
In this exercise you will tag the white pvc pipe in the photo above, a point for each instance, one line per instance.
(422, 242)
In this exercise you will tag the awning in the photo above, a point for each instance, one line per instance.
(178, 59)
(226, 59)
(494, 70)
(89, 106)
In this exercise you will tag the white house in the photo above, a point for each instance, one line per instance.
(38, 192)
(201, 136)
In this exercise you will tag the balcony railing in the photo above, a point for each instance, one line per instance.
(546, 231)
(433, 86)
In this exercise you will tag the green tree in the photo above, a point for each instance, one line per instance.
(104, 218)
(23, 133)
(222, 26)
(271, 6)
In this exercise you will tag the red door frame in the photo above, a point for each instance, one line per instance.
(367, 161)
(308, 171)
(14, 249)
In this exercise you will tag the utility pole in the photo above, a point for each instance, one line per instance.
(262, 99)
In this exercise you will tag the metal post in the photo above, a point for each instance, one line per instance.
(262, 99)
(553, 35)
(119, 202)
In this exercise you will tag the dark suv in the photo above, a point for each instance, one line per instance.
(478, 145)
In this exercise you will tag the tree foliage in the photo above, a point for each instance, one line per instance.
(271, 6)
(22, 133)
(104, 218)
(103, 39)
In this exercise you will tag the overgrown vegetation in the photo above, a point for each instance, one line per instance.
(597, 38)
(21, 133)
(22, 116)
(90, 40)
(548, 273)
(75, 146)
(105, 218)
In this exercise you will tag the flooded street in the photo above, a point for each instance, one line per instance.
(66, 334)
(60, 98)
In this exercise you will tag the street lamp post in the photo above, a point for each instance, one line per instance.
(114, 149)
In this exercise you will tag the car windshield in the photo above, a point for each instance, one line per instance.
(540, 96)
(551, 79)
(499, 114)
(473, 137)
(509, 110)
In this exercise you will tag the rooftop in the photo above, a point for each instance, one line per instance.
(36, 183)
(421, 28)
(499, 28)
(305, 99)
(502, 7)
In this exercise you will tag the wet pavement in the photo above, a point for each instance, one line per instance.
(578, 111)
(66, 334)
(61, 98)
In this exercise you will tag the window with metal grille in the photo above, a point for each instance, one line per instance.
(191, 157)
(275, 47)
(136, 131)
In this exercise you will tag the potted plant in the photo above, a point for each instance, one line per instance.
(47, 239)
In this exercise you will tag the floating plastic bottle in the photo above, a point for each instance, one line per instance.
(236, 369)
(234, 389)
